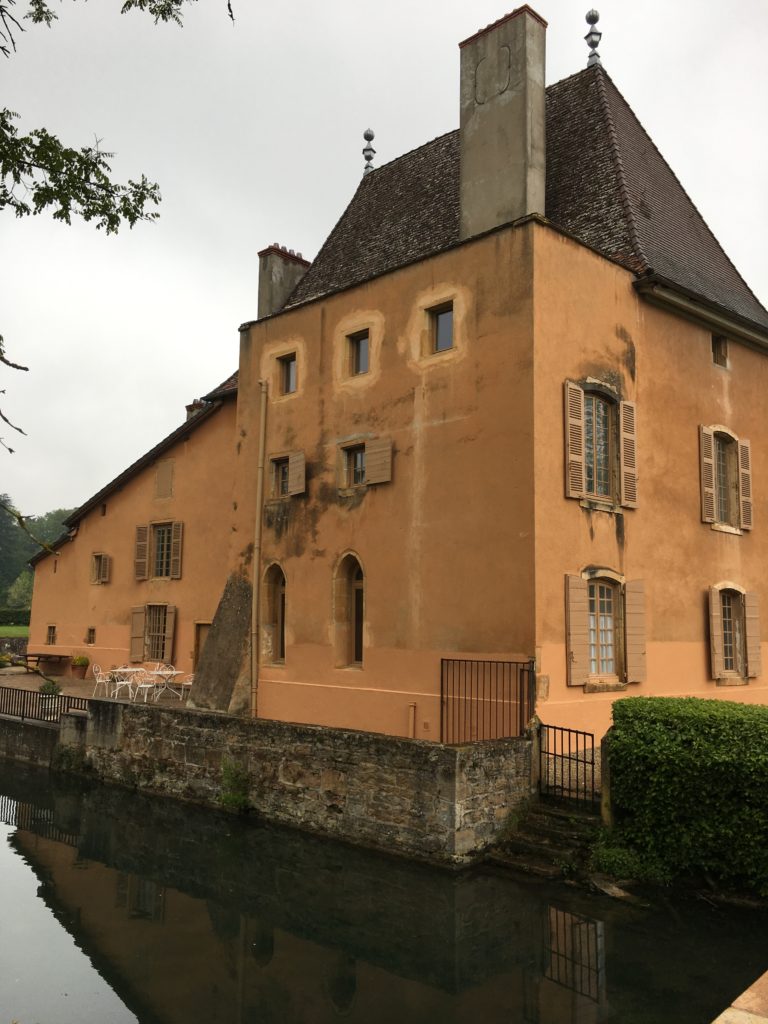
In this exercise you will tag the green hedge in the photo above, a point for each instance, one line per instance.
(689, 785)
(14, 616)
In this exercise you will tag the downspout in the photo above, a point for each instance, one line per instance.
(256, 586)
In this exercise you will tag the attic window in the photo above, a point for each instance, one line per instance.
(288, 376)
(719, 350)
(441, 323)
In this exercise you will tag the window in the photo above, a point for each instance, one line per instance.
(273, 632)
(288, 474)
(726, 479)
(101, 567)
(90, 635)
(734, 633)
(152, 627)
(349, 612)
(288, 376)
(365, 464)
(358, 353)
(600, 447)
(158, 548)
(441, 327)
(605, 629)
(50, 636)
(719, 350)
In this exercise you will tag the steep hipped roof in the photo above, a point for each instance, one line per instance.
(607, 185)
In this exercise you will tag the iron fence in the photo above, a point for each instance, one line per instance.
(569, 765)
(38, 707)
(485, 700)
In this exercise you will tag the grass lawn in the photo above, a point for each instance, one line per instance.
(9, 631)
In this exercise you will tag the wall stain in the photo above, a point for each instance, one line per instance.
(629, 359)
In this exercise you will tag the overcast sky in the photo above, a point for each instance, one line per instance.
(254, 132)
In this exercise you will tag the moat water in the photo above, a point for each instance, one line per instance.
(118, 908)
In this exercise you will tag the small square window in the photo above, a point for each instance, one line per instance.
(288, 378)
(50, 636)
(355, 465)
(279, 477)
(90, 636)
(358, 353)
(719, 350)
(441, 320)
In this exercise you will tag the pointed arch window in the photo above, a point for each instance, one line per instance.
(349, 612)
(273, 621)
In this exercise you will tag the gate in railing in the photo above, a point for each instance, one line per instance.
(485, 700)
(38, 707)
(569, 766)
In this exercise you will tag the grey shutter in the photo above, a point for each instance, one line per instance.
(170, 621)
(105, 569)
(177, 532)
(628, 439)
(577, 630)
(752, 622)
(707, 470)
(634, 630)
(716, 634)
(141, 555)
(378, 461)
(296, 473)
(138, 616)
(574, 440)
(745, 485)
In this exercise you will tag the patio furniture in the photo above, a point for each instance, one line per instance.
(103, 680)
(122, 679)
(145, 683)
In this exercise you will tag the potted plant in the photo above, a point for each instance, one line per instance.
(80, 665)
(49, 688)
(49, 699)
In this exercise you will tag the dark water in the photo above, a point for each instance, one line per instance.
(118, 908)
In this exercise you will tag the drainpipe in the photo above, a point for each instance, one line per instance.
(256, 584)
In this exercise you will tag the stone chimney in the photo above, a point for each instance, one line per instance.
(502, 122)
(280, 270)
(195, 406)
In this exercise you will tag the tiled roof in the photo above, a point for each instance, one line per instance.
(607, 185)
(227, 387)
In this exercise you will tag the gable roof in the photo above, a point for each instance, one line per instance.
(607, 185)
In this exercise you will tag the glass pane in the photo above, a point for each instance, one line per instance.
(443, 330)
(360, 353)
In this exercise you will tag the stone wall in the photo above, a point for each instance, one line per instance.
(28, 742)
(412, 797)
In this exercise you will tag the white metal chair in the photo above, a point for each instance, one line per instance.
(101, 679)
(144, 683)
(121, 681)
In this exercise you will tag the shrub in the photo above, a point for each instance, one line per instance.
(234, 787)
(14, 616)
(689, 784)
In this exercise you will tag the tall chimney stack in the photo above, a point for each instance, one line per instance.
(280, 270)
(502, 122)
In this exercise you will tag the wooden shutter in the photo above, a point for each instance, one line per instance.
(105, 569)
(707, 466)
(378, 461)
(296, 473)
(745, 485)
(170, 621)
(574, 440)
(628, 439)
(634, 630)
(752, 623)
(94, 568)
(141, 555)
(177, 532)
(716, 634)
(138, 617)
(577, 630)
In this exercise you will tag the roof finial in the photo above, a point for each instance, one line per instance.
(368, 151)
(593, 38)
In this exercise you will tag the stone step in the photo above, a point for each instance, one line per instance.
(526, 864)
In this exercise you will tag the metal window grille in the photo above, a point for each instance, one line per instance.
(155, 631)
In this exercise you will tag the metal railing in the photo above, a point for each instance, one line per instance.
(38, 707)
(568, 765)
(485, 700)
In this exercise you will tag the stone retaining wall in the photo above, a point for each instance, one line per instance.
(412, 797)
(28, 742)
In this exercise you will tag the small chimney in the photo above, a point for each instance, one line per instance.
(194, 407)
(280, 270)
(502, 122)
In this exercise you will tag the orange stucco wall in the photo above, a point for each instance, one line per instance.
(202, 496)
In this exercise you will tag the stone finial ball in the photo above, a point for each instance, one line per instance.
(593, 17)
(368, 135)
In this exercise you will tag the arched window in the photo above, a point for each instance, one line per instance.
(604, 621)
(349, 611)
(734, 632)
(273, 616)
(726, 478)
(600, 445)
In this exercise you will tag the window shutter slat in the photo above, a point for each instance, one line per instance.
(634, 630)
(177, 532)
(378, 461)
(105, 569)
(138, 616)
(577, 630)
(94, 569)
(716, 634)
(141, 555)
(574, 440)
(170, 621)
(745, 485)
(296, 473)
(707, 467)
(752, 619)
(628, 431)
